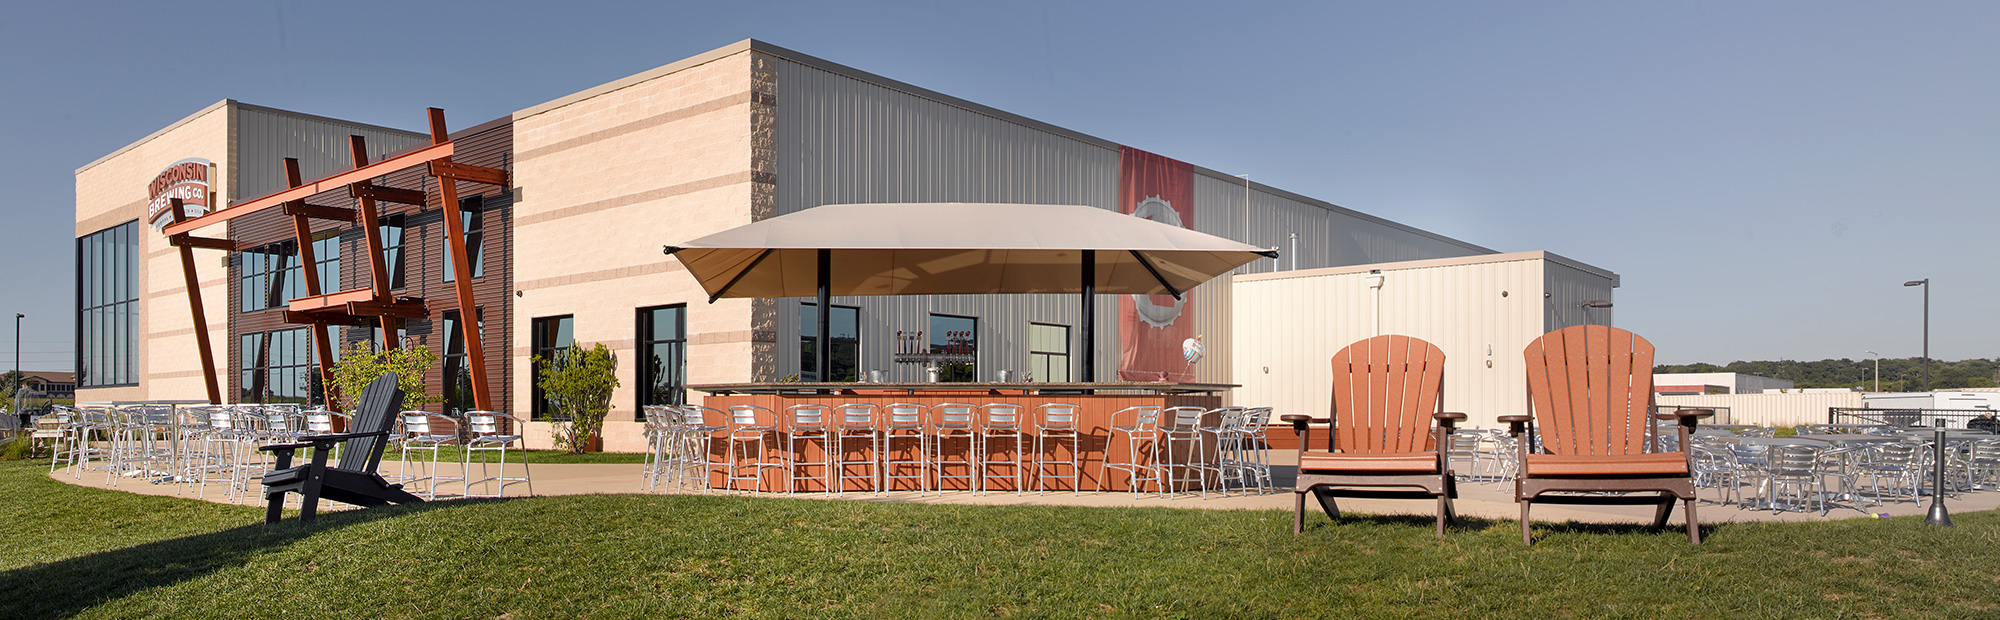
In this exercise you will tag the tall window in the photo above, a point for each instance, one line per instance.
(457, 372)
(474, 221)
(662, 356)
(264, 274)
(278, 368)
(956, 339)
(844, 340)
(1048, 352)
(550, 335)
(392, 249)
(326, 258)
(107, 306)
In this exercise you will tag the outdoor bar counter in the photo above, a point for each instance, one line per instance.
(1096, 402)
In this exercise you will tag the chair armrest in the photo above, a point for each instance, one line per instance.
(1687, 417)
(1299, 421)
(1448, 419)
(311, 441)
(1516, 424)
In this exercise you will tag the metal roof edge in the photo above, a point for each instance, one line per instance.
(1584, 267)
(1429, 263)
(328, 120)
(1233, 179)
(163, 131)
(641, 77)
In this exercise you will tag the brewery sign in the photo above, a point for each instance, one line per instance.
(187, 180)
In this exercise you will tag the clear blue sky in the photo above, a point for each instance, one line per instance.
(1763, 175)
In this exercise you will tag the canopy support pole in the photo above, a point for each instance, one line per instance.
(822, 349)
(1088, 367)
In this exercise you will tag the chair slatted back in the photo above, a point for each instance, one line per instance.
(1384, 392)
(374, 412)
(1591, 390)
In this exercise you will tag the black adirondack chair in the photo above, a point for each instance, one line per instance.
(353, 480)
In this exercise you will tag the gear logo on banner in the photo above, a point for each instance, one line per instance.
(1152, 312)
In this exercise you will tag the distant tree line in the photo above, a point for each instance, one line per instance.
(1898, 374)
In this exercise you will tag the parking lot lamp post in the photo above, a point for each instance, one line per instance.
(1926, 283)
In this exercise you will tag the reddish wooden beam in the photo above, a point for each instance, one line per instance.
(200, 318)
(396, 195)
(325, 318)
(331, 300)
(401, 310)
(319, 212)
(461, 266)
(444, 169)
(371, 231)
(302, 227)
(407, 160)
(211, 243)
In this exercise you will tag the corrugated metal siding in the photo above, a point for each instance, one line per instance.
(1326, 238)
(842, 140)
(1568, 288)
(1768, 409)
(1285, 329)
(263, 138)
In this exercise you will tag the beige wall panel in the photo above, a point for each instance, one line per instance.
(1767, 409)
(605, 181)
(1286, 326)
(113, 190)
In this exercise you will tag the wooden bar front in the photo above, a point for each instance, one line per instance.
(1096, 402)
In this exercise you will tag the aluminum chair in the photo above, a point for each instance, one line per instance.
(749, 424)
(856, 421)
(489, 435)
(1144, 430)
(420, 435)
(952, 422)
(1189, 457)
(1054, 423)
(1001, 421)
(904, 422)
(1902, 464)
(1795, 468)
(807, 424)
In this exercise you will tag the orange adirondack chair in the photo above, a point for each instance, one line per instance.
(1590, 388)
(1386, 393)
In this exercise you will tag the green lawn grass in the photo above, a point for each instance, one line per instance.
(77, 552)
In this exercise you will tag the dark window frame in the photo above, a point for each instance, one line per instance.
(472, 214)
(808, 339)
(453, 361)
(539, 346)
(1036, 357)
(267, 355)
(956, 372)
(107, 302)
(647, 333)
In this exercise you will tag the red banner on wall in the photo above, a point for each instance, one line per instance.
(1151, 327)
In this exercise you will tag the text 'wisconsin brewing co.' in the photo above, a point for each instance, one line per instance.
(187, 180)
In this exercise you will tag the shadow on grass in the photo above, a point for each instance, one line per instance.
(1542, 529)
(67, 587)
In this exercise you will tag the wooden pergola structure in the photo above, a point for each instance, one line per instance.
(371, 305)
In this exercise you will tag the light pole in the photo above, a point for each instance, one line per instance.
(1926, 283)
(17, 340)
(1878, 369)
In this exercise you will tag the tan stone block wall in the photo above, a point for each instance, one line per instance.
(112, 191)
(607, 180)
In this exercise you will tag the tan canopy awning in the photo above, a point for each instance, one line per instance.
(957, 248)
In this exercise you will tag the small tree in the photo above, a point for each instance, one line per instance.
(361, 364)
(578, 383)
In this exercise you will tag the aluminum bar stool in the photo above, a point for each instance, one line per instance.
(488, 436)
(1054, 423)
(419, 435)
(904, 422)
(856, 422)
(659, 422)
(1142, 448)
(1001, 424)
(750, 424)
(807, 424)
(953, 422)
(1190, 458)
(696, 444)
